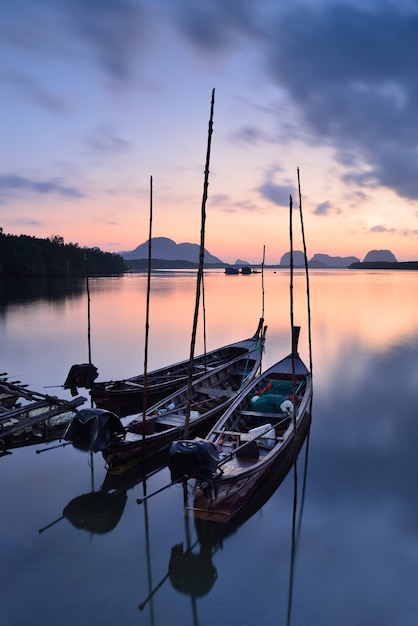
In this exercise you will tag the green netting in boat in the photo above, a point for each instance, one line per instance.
(271, 397)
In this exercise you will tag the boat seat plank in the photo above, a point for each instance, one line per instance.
(268, 416)
(227, 432)
(131, 437)
(211, 391)
(245, 436)
(171, 420)
(251, 437)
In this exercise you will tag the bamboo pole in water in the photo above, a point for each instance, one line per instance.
(305, 254)
(204, 322)
(200, 270)
(86, 270)
(295, 472)
(262, 281)
(144, 393)
(291, 273)
(295, 478)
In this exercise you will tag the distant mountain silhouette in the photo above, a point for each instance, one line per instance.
(298, 259)
(384, 260)
(378, 256)
(324, 260)
(169, 250)
(318, 260)
(166, 250)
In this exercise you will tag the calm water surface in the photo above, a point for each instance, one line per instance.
(355, 561)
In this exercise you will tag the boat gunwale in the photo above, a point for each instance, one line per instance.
(117, 452)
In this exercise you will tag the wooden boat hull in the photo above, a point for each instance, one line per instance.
(125, 397)
(222, 503)
(252, 443)
(165, 421)
(213, 532)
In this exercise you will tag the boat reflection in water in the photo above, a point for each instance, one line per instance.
(97, 512)
(191, 569)
(100, 511)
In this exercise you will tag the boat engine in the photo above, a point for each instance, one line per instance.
(94, 430)
(82, 375)
(193, 458)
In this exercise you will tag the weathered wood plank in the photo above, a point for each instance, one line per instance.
(171, 420)
(28, 422)
(211, 391)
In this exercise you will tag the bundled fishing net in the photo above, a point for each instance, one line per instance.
(273, 398)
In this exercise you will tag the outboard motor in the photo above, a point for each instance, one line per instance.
(196, 458)
(82, 375)
(94, 430)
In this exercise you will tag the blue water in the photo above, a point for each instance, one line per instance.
(346, 555)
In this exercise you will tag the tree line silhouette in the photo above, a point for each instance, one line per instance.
(26, 256)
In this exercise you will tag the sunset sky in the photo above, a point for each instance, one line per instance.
(97, 96)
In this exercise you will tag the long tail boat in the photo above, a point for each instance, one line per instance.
(264, 428)
(125, 397)
(200, 403)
